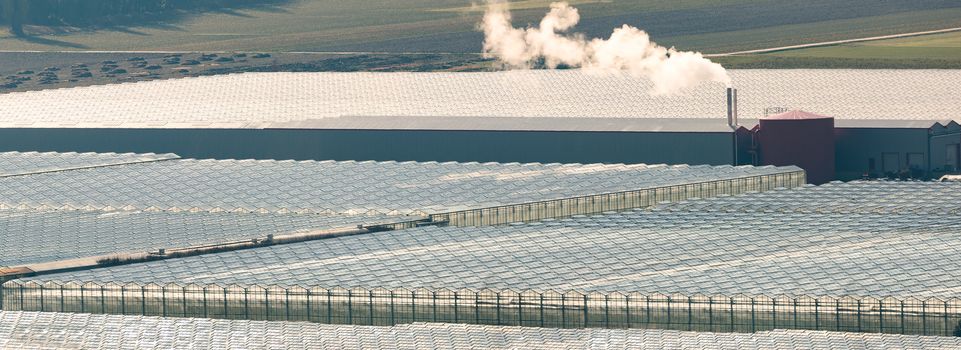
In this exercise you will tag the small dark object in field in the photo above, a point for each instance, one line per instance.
(173, 60)
(225, 59)
(119, 71)
(82, 74)
(208, 57)
(79, 65)
(191, 62)
(73, 80)
(107, 68)
(262, 55)
(51, 69)
(139, 64)
(109, 62)
(22, 79)
(136, 59)
(25, 72)
(239, 55)
(9, 85)
(183, 71)
(153, 67)
(174, 55)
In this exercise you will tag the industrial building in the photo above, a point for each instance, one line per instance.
(894, 123)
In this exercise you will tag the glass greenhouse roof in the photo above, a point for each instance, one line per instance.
(36, 330)
(255, 100)
(890, 197)
(344, 187)
(36, 236)
(637, 251)
(23, 163)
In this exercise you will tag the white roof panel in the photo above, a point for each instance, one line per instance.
(254, 100)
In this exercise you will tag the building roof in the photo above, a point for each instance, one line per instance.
(44, 236)
(44, 330)
(342, 187)
(256, 100)
(880, 197)
(25, 163)
(795, 115)
(84, 206)
(895, 124)
(869, 253)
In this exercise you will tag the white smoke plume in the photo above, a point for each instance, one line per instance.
(627, 50)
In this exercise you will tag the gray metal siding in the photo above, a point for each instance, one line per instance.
(418, 145)
(855, 146)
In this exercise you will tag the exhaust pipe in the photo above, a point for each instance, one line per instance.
(732, 107)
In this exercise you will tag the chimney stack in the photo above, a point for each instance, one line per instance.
(732, 107)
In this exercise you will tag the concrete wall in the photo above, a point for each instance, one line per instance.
(482, 146)
(856, 146)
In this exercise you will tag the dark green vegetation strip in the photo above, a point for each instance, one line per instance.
(449, 25)
(777, 62)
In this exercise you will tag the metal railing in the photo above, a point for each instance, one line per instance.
(641, 198)
(359, 306)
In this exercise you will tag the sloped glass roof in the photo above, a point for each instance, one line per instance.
(36, 236)
(638, 251)
(254, 100)
(935, 198)
(345, 187)
(36, 330)
(22, 163)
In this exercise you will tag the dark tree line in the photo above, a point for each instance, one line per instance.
(17, 13)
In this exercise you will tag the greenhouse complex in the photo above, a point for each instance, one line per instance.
(436, 253)
(541, 209)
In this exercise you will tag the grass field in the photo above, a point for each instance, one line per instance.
(449, 25)
(936, 46)
(926, 51)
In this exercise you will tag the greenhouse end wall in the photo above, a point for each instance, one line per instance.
(384, 307)
(600, 203)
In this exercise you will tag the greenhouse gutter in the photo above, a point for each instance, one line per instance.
(92, 262)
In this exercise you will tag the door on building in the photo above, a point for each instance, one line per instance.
(890, 163)
(952, 157)
(916, 165)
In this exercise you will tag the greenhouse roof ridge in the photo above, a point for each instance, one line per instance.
(15, 163)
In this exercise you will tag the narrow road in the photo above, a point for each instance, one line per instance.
(829, 43)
